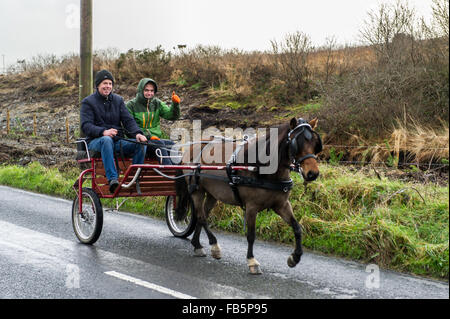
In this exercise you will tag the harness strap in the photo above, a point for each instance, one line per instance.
(238, 180)
(301, 159)
(233, 185)
(192, 187)
(283, 186)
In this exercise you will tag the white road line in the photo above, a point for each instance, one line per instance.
(149, 285)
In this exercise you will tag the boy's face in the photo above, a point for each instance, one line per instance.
(149, 91)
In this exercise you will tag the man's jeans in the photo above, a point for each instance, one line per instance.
(107, 147)
(164, 146)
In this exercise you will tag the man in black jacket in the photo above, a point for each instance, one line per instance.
(103, 114)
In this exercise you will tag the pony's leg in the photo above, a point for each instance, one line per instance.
(197, 198)
(210, 202)
(253, 264)
(287, 215)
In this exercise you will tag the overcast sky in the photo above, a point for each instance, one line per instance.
(31, 27)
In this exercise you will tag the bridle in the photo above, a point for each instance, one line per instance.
(306, 130)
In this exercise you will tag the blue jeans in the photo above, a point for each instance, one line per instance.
(163, 145)
(107, 147)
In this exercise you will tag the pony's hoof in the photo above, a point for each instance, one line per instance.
(199, 252)
(291, 262)
(216, 252)
(255, 270)
(253, 267)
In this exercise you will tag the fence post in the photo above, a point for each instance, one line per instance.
(7, 121)
(34, 125)
(67, 130)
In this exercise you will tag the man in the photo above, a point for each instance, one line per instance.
(103, 114)
(147, 110)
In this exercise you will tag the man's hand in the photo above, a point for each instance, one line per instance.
(111, 132)
(141, 138)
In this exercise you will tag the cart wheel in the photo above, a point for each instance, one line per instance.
(87, 224)
(184, 227)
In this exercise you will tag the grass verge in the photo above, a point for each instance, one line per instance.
(396, 225)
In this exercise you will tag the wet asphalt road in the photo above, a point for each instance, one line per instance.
(137, 257)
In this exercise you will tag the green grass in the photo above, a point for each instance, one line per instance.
(197, 86)
(37, 178)
(224, 102)
(311, 107)
(397, 225)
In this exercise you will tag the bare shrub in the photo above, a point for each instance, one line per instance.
(408, 79)
(49, 72)
(440, 27)
(324, 62)
(291, 56)
(226, 73)
(106, 59)
(200, 65)
(248, 74)
(389, 30)
(136, 64)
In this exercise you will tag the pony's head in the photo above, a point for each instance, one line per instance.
(303, 144)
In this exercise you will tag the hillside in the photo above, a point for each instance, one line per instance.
(387, 106)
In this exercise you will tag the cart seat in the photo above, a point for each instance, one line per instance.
(82, 150)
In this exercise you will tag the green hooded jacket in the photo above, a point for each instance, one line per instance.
(147, 112)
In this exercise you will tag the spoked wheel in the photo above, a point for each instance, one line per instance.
(87, 224)
(180, 227)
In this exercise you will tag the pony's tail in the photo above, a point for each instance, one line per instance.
(181, 188)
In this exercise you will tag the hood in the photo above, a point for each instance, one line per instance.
(140, 89)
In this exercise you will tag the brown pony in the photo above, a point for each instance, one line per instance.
(297, 144)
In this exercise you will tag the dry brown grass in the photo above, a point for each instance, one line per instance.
(341, 60)
(49, 80)
(414, 143)
(421, 143)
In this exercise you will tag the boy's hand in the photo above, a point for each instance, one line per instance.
(175, 98)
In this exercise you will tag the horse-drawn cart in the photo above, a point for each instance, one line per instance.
(191, 194)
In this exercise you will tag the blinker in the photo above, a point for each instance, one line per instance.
(307, 134)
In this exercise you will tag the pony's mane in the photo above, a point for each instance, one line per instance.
(253, 144)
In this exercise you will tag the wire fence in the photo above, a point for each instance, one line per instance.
(382, 147)
(388, 164)
(19, 126)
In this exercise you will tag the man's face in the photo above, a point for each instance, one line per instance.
(149, 91)
(105, 87)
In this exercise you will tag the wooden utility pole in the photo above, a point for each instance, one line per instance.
(86, 83)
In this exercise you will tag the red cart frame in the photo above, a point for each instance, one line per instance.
(135, 180)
